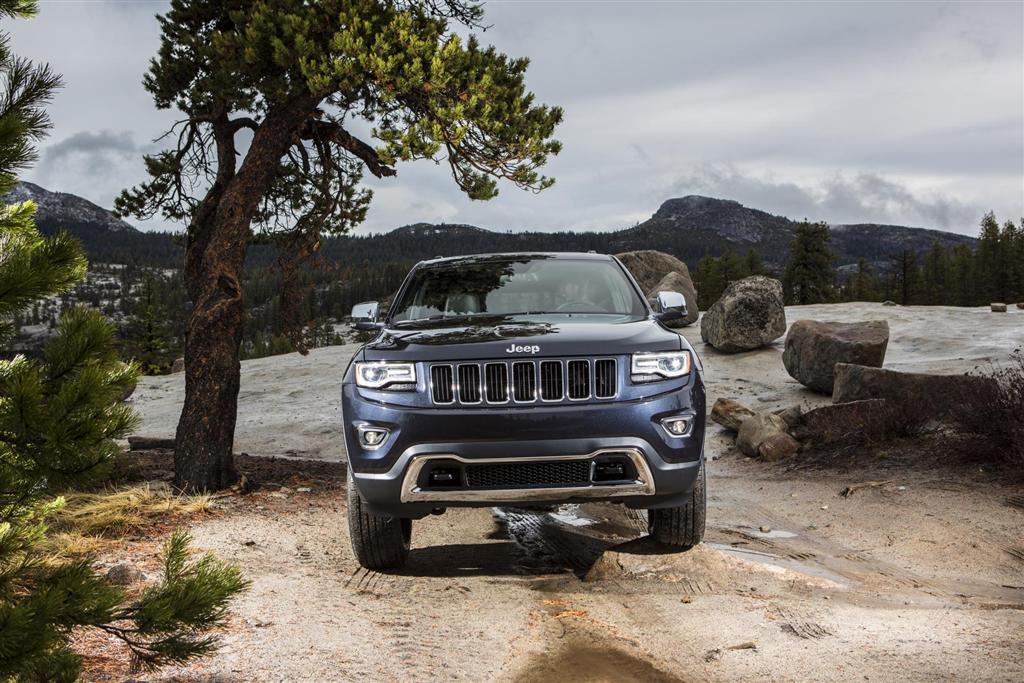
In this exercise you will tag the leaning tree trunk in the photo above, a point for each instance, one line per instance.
(214, 259)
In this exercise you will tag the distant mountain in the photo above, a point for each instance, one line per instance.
(692, 226)
(57, 209)
(418, 230)
(105, 237)
(688, 227)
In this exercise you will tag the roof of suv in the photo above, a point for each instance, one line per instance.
(514, 255)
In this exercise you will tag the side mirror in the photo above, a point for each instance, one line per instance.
(670, 306)
(364, 316)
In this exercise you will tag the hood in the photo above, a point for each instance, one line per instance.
(522, 340)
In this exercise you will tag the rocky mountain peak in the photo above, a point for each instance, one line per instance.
(61, 209)
(729, 218)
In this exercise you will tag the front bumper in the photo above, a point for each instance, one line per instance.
(387, 476)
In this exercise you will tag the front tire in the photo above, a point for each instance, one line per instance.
(681, 527)
(378, 542)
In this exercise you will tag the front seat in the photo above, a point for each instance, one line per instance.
(461, 303)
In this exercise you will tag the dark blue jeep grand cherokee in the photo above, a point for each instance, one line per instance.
(521, 379)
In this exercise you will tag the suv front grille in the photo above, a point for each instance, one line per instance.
(526, 475)
(498, 382)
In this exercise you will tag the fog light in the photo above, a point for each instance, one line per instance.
(676, 426)
(371, 437)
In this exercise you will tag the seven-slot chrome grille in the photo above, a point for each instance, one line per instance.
(523, 381)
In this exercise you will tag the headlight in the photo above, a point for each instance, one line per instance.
(379, 374)
(651, 367)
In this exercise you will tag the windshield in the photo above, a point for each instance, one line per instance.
(516, 287)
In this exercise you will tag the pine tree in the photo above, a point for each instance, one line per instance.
(271, 96)
(754, 264)
(988, 258)
(148, 333)
(962, 286)
(59, 417)
(863, 287)
(809, 273)
(1011, 250)
(935, 277)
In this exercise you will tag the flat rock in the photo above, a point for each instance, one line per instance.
(998, 308)
(702, 569)
(828, 424)
(813, 348)
(749, 315)
(939, 394)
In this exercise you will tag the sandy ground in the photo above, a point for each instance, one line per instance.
(919, 579)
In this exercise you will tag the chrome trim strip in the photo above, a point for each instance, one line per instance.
(642, 486)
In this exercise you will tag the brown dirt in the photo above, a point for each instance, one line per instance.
(919, 579)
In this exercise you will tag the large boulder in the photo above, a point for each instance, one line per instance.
(750, 314)
(940, 395)
(813, 348)
(656, 271)
(998, 308)
(678, 282)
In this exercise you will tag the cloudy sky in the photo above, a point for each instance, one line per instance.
(906, 113)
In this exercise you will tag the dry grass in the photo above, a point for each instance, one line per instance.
(126, 509)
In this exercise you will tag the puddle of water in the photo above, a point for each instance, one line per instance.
(571, 516)
(774, 533)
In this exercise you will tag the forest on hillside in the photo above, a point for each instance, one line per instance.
(145, 295)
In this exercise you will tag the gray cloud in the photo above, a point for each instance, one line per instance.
(899, 112)
(838, 198)
(94, 164)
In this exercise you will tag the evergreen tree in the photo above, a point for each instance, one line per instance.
(935, 277)
(59, 416)
(962, 287)
(809, 273)
(863, 287)
(271, 96)
(754, 264)
(148, 334)
(1011, 247)
(988, 261)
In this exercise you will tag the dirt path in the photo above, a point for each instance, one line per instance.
(919, 579)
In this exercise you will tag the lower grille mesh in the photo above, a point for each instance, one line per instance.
(532, 474)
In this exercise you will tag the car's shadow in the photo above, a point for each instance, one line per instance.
(529, 543)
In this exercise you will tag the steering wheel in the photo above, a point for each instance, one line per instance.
(586, 306)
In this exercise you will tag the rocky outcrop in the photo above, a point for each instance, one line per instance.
(813, 348)
(998, 308)
(941, 395)
(749, 314)
(656, 271)
(63, 208)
